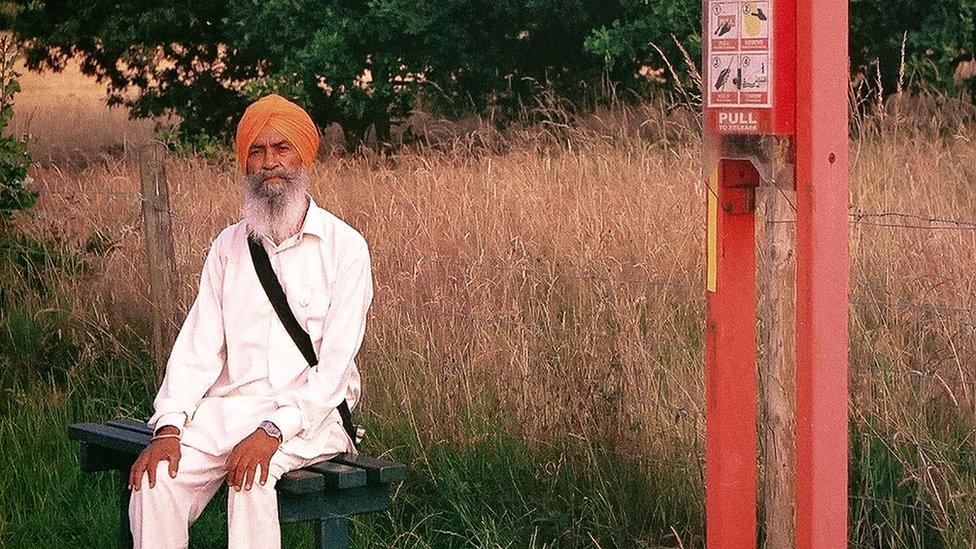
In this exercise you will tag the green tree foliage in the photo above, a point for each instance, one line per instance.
(496, 55)
(14, 159)
(155, 58)
(938, 35)
(366, 63)
(648, 33)
(205, 61)
(360, 63)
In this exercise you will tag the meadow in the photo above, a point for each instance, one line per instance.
(534, 352)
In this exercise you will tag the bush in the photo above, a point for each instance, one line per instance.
(14, 159)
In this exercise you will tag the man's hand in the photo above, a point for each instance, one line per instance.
(158, 450)
(244, 459)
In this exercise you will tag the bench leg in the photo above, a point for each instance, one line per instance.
(125, 534)
(332, 533)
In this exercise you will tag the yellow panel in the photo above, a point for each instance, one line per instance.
(712, 231)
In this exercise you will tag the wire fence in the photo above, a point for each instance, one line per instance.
(957, 382)
(930, 312)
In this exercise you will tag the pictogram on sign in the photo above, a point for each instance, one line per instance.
(724, 26)
(739, 48)
(723, 76)
(754, 79)
(755, 26)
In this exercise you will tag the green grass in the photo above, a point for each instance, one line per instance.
(497, 489)
(490, 486)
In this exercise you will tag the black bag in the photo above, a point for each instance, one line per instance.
(301, 338)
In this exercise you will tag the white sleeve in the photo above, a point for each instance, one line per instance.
(345, 325)
(199, 351)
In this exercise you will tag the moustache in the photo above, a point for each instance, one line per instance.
(292, 181)
(260, 176)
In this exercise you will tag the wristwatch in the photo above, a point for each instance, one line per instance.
(271, 429)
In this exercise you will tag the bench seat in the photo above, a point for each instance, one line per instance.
(327, 493)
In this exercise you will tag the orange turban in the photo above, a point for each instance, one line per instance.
(283, 115)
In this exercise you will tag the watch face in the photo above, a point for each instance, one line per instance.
(271, 429)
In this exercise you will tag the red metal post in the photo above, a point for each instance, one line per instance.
(822, 273)
(730, 473)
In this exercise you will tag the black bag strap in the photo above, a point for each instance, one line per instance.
(262, 264)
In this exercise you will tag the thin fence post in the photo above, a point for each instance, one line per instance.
(777, 368)
(157, 233)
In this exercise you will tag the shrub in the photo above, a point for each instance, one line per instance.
(14, 159)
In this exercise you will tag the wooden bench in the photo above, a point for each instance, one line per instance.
(327, 493)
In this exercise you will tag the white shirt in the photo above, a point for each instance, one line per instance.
(233, 364)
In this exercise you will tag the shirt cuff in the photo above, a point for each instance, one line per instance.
(288, 419)
(176, 419)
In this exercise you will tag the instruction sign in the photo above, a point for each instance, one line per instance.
(739, 53)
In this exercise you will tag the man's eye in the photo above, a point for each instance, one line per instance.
(253, 152)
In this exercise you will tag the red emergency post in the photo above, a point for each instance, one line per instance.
(776, 68)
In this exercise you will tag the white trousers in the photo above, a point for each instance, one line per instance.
(160, 517)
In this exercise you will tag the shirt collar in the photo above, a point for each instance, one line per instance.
(313, 224)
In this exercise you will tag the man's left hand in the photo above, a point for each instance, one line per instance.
(244, 459)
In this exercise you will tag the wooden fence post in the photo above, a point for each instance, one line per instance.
(157, 232)
(777, 368)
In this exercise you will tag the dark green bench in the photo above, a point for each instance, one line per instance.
(327, 493)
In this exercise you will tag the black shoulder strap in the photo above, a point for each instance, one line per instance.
(262, 264)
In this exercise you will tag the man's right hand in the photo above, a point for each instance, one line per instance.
(158, 450)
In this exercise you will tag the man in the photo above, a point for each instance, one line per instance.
(238, 401)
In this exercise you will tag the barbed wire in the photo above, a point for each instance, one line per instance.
(436, 258)
(863, 218)
(962, 223)
(140, 196)
(859, 497)
(941, 310)
(184, 224)
(44, 191)
(912, 373)
(921, 370)
(858, 217)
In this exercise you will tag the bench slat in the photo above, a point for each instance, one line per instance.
(378, 471)
(345, 471)
(131, 425)
(338, 476)
(106, 436)
(301, 481)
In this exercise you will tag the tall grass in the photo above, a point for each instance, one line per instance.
(534, 351)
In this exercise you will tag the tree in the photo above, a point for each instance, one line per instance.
(651, 34)
(361, 63)
(497, 55)
(205, 61)
(938, 35)
(365, 64)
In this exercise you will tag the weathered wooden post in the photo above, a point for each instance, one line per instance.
(777, 368)
(157, 232)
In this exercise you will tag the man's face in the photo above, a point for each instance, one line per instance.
(271, 154)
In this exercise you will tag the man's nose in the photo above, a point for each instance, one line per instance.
(271, 159)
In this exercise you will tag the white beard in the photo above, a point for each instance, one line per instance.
(275, 211)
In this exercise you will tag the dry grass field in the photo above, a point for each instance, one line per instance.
(545, 287)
